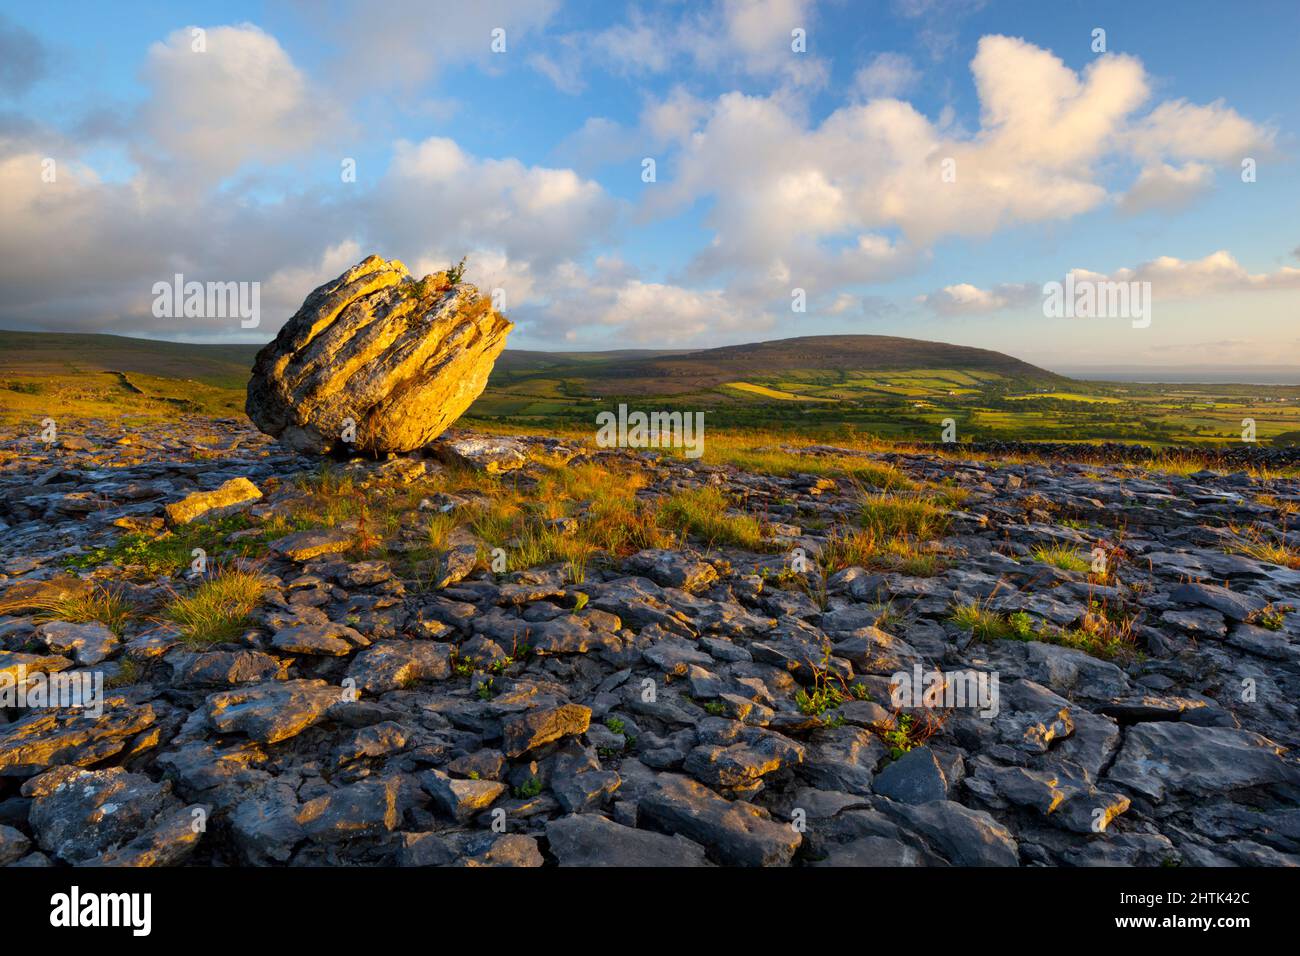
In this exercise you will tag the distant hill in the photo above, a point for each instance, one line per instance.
(523, 360)
(61, 353)
(824, 359)
(839, 353)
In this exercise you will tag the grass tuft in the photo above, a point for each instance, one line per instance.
(219, 609)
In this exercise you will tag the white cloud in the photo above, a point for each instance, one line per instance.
(888, 74)
(736, 38)
(1216, 274)
(399, 44)
(1167, 188)
(1215, 133)
(1171, 279)
(436, 196)
(649, 312)
(1047, 137)
(240, 100)
(966, 299)
(286, 288)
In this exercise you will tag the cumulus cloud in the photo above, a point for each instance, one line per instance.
(829, 207)
(1046, 134)
(966, 299)
(1214, 132)
(655, 312)
(1167, 188)
(81, 252)
(1171, 278)
(1215, 274)
(240, 99)
(539, 214)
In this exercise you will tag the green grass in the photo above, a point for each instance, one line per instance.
(1067, 559)
(705, 513)
(1105, 633)
(893, 515)
(171, 551)
(219, 609)
(874, 552)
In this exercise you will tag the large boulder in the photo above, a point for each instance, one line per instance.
(401, 359)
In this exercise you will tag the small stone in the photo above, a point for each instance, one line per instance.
(460, 799)
(88, 643)
(13, 845)
(389, 665)
(915, 777)
(327, 640)
(579, 792)
(542, 725)
(212, 504)
(361, 809)
(593, 840)
(305, 545)
(740, 833)
(273, 711)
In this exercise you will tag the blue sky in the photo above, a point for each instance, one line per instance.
(776, 170)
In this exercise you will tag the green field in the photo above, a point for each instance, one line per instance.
(912, 403)
(842, 385)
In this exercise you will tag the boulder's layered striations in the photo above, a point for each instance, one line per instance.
(396, 359)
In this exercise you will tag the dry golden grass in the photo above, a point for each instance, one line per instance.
(218, 609)
(97, 604)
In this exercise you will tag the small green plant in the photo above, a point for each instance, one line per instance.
(899, 737)
(485, 690)
(457, 272)
(129, 671)
(1271, 617)
(907, 731)
(828, 691)
(1020, 626)
(715, 708)
(615, 725)
(816, 702)
(529, 789)
(580, 602)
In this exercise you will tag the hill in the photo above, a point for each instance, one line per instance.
(816, 386)
(86, 376)
(833, 358)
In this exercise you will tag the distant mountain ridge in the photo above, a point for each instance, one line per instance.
(677, 372)
(699, 368)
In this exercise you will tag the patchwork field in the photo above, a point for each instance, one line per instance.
(836, 393)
